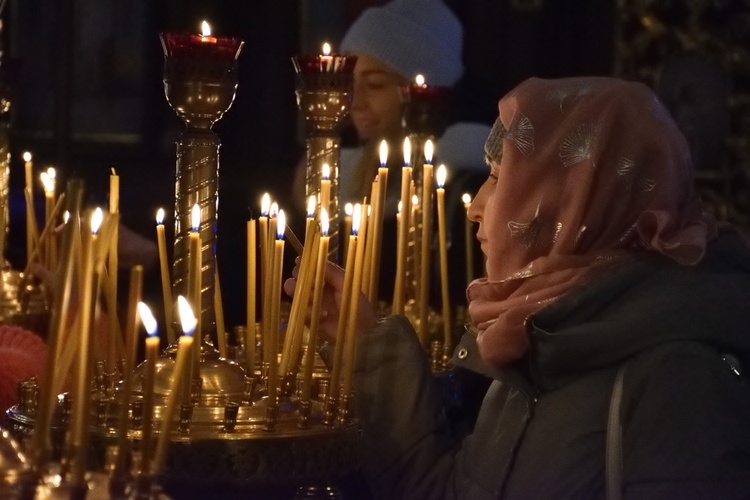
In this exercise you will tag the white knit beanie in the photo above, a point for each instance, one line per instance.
(412, 37)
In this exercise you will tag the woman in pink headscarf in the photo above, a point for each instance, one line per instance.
(614, 321)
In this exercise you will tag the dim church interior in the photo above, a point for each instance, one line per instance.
(86, 91)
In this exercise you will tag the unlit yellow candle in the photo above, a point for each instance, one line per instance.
(251, 304)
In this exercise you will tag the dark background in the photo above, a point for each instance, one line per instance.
(87, 94)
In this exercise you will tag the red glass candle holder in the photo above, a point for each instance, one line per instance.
(425, 109)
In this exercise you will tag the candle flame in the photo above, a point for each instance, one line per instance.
(324, 221)
(441, 175)
(265, 204)
(96, 220)
(311, 203)
(356, 219)
(195, 217)
(326, 49)
(466, 198)
(414, 200)
(348, 209)
(52, 173)
(429, 149)
(205, 29)
(147, 318)
(48, 183)
(187, 318)
(407, 152)
(66, 217)
(280, 225)
(160, 216)
(400, 206)
(419, 80)
(274, 211)
(383, 153)
(27, 156)
(325, 171)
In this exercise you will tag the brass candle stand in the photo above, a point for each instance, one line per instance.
(324, 93)
(200, 82)
(222, 443)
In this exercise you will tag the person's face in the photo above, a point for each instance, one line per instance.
(483, 207)
(376, 102)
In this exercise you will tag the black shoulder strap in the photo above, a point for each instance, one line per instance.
(614, 440)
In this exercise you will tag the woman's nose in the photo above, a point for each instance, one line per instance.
(477, 206)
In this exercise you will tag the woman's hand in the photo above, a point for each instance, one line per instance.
(331, 303)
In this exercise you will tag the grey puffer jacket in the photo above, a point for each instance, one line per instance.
(540, 433)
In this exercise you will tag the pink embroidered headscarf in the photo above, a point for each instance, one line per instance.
(589, 172)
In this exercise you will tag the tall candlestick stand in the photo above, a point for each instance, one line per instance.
(424, 113)
(200, 82)
(324, 93)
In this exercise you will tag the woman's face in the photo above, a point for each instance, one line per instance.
(482, 206)
(376, 102)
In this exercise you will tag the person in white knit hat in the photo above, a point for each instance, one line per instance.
(394, 43)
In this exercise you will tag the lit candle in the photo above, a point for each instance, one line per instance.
(424, 274)
(370, 242)
(403, 230)
(48, 183)
(419, 80)
(443, 247)
(275, 290)
(194, 280)
(251, 292)
(320, 270)
(29, 195)
(166, 286)
(325, 187)
(468, 240)
(265, 206)
(147, 385)
(346, 295)
(311, 203)
(346, 230)
(379, 215)
(268, 283)
(82, 395)
(180, 377)
(206, 33)
(326, 59)
(351, 325)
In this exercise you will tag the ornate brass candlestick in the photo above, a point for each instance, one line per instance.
(324, 93)
(200, 82)
(424, 117)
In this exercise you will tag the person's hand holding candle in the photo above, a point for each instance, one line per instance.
(331, 303)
